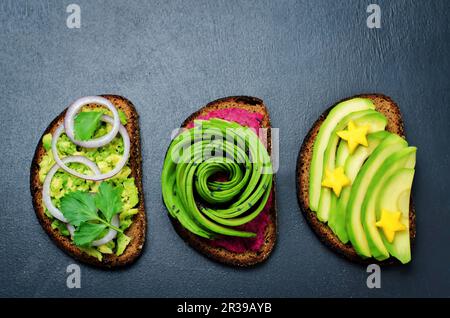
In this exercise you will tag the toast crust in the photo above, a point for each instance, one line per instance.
(136, 231)
(219, 254)
(388, 108)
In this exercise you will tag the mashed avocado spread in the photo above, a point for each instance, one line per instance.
(106, 158)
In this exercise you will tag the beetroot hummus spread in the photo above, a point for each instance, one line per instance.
(259, 224)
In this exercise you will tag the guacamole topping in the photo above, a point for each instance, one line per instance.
(217, 189)
(95, 213)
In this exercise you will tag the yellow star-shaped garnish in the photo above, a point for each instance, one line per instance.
(390, 223)
(354, 135)
(336, 180)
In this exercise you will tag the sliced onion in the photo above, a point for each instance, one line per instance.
(111, 235)
(75, 108)
(71, 229)
(48, 180)
(99, 177)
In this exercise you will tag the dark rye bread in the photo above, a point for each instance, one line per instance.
(388, 108)
(137, 229)
(202, 245)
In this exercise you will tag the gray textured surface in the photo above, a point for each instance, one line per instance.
(169, 58)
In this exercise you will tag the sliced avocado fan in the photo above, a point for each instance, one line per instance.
(375, 122)
(326, 129)
(360, 181)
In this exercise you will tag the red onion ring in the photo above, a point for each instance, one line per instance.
(99, 177)
(48, 179)
(111, 235)
(75, 108)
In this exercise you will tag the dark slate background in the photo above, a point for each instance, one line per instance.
(171, 57)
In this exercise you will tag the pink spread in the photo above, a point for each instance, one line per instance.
(259, 224)
(238, 115)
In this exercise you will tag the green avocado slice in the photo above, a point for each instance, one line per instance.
(395, 196)
(375, 121)
(342, 154)
(405, 158)
(353, 164)
(355, 229)
(326, 129)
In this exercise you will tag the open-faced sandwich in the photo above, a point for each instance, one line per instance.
(86, 181)
(354, 176)
(218, 184)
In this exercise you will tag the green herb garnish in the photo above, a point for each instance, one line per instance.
(108, 200)
(87, 232)
(86, 123)
(81, 210)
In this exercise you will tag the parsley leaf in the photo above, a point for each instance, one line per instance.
(87, 232)
(86, 123)
(78, 207)
(108, 200)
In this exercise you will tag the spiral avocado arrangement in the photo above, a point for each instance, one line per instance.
(218, 182)
(202, 204)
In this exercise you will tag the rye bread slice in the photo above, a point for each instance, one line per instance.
(136, 231)
(219, 254)
(388, 108)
